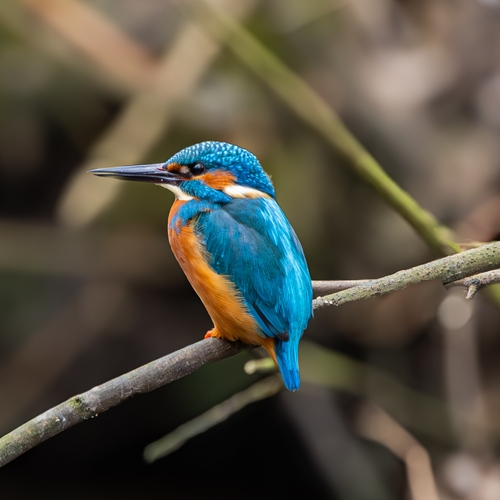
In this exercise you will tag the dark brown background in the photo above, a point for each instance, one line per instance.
(89, 288)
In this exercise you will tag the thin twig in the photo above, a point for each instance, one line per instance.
(475, 283)
(262, 389)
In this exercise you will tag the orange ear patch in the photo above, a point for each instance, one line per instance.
(217, 179)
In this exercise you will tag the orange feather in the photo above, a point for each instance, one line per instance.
(223, 302)
(218, 179)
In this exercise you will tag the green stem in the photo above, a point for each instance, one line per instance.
(311, 108)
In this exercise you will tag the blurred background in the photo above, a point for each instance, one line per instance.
(400, 396)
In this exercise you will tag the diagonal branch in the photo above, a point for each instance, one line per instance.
(309, 106)
(187, 360)
(89, 404)
(447, 269)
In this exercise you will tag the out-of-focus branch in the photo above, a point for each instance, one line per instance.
(145, 118)
(262, 389)
(103, 397)
(375, 424)
(87, 29)
(447, 269)
(45, 38)
(311, 108)
(88, 254)
(416, 410)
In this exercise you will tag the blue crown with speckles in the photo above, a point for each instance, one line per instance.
(222, 155)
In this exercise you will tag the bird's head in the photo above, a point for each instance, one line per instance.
(211, 171)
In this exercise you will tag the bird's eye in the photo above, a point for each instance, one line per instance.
(198, 169)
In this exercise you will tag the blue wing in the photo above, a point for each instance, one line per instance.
(252, 242)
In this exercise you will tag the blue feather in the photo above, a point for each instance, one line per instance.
(287, 354)
(252, 242)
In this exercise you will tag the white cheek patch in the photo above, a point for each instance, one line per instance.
(179, 194)
(236, 191)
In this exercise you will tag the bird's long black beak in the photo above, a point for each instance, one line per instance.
(155, 172)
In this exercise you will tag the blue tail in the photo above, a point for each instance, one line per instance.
(287, 354)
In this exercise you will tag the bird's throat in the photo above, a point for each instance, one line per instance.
(178, 192)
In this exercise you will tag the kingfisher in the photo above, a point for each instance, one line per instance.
(236, 247)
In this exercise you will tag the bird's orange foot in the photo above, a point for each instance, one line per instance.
(209, 334)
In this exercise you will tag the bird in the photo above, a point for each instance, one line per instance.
(236, 247)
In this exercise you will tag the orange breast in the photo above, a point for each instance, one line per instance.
(223, 302)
